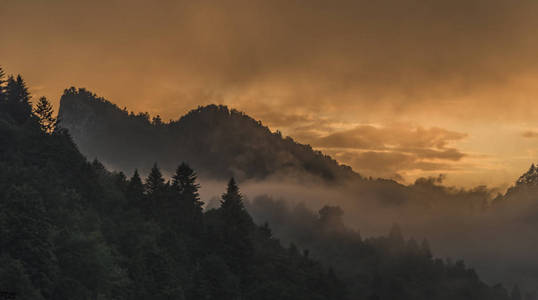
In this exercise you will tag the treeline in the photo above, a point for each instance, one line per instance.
(385, 267)
(70, 229)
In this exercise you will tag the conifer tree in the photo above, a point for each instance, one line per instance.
(238, 226)
(157, 121)
(2, 86)
(44, 112)
(135, 190)
(155, 181)
(186, 204)
(232, 200)
(17, 102)
(233, 209)
(155, 191)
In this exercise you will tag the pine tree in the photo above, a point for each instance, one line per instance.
(155, 191)
(233, 209)
(17, 102)
(232, 200)
(157, 121)
(186, 205)
(155, 181)
(238, 226)
(44, 112)
(185, 181)
(2, 87)
(135, 191)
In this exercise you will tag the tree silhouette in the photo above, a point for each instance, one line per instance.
(17, 102)
(155, 181)
(44, 112)
(2, 85)
(157, 121)
(135, 190)
(155, 191)
(238, 226)
(186, 205)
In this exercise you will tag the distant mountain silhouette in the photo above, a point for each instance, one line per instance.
(218, 141)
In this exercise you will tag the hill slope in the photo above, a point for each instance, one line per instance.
(220, 141)
(72, 230)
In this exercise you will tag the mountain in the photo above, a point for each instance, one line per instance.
(71, 229)
(218, 141)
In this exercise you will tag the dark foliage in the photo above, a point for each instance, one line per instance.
(387, 267)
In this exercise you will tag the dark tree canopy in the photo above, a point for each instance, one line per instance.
(185, 205)
(44, 112)
(155, 181)
(17, 100)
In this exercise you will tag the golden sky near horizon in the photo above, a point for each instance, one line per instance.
(393, 88)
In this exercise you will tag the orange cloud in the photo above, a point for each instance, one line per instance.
(312, 69)
(529, 134)
(392, 150)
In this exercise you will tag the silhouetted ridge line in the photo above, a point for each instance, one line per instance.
(219, 141)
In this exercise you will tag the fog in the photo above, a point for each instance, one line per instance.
(493, 233)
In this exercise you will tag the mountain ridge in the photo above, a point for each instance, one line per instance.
(246, 148)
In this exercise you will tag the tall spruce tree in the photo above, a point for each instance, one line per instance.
(186, 205)
(232, 201)
(44, 112)
(155, 191)
(2, 87)
(238, 227)
(17, 103)
(155, 181)
(135, 191)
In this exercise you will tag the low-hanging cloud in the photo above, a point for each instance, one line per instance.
(390, 150)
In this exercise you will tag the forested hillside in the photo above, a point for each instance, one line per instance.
(388, 267)
(218, 141)
(70, 229)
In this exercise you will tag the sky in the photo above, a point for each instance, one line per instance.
(395, 89)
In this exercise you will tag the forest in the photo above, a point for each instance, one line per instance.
(72, 229)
